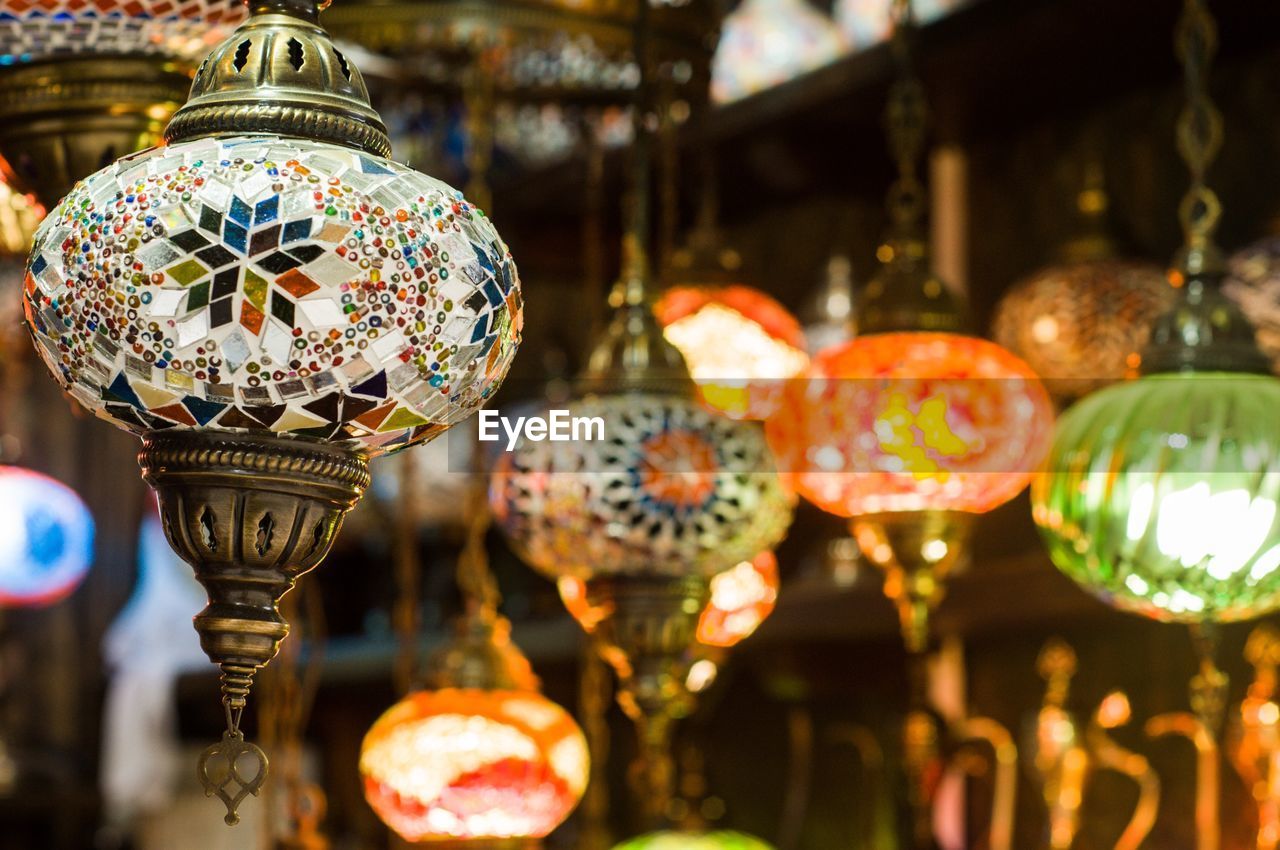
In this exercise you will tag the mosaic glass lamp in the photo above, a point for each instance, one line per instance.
(911, 429)
(865, 23)
(767, 42)
(673, 840)
(481, 756)
(1082, 323)
(268, 301)
(1160, 495)
(46, 539)
(1253, 283)
(82, 83)
(647, 516)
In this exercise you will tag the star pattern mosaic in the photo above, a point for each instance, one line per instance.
(185, 29)
(673, 489)
(268, 284)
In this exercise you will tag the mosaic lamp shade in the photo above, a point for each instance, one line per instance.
(1082, 326)
(482, 754)
(910, 435)
(672, 490)
(673, 840)
(1253, 283)
(82, 83)
(47, 543)
(269, 301)
(742, 597)
(765, 43)
(740, 344)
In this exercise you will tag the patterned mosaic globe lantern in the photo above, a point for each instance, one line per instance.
(82, 83)
(46, 544)
(269, 302)
(481, 756)
(645, 517)
(718, 840)
(1082, 323)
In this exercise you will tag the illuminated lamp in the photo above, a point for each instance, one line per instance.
(481, 756)
(269, 302)
(674, 840)
(1082, 323)
(46, 539)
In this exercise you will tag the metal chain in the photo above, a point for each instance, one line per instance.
(906, 119)
(1199, 132)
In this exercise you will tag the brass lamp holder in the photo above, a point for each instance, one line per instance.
(250, 514)
(69, 117)
(647, 635)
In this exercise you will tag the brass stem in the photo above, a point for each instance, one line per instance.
(478, 103)
(408, 574)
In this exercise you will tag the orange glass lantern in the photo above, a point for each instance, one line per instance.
(910, 434)
(740, 345)
(470, 763)
(483, 755)
(742, 597)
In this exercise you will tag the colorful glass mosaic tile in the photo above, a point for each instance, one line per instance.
(184, 29)
(268, 284)
(672, 489)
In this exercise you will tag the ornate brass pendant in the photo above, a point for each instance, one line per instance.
(251, 514)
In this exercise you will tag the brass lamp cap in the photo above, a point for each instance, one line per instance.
(906, 296)
(631, 353)
(481, 656)
(1203, 332)
(280, 73)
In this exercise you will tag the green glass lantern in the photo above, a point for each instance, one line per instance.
(1162, 492)
(1160, 495)
(674, 840)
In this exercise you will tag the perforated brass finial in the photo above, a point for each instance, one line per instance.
(280, 73)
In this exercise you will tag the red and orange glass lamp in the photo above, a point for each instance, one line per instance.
(479, 759)
(914, 427)
(740, 344)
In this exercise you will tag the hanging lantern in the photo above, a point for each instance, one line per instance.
(85, 83)
(46, 545)
(1160, 494)
(910, 430)
(1082, 323)
(767, 42)
(740, 344)
(269, 308)
(1253, 283)
(718, 840)
(910, 435)
(482, 755)
(646, 516)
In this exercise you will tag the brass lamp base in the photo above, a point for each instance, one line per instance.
(916, 550)
(648, 634)
(67, 118)
(250, 513)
